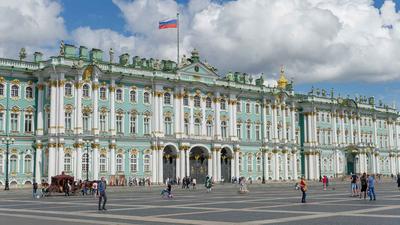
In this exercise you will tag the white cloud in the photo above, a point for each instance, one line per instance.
(33, 24)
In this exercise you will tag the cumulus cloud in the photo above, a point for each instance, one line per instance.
(33, 24)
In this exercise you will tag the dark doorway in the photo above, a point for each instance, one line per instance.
(226, 160)
(169, 163)
(198, 164)
(350, 164)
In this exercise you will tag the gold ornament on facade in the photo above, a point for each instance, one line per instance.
(134, 112)
(15, 81)
(103, 151)
(111, 88)
(2, 80)
(67, 151)
(95, 86)
(282, 82)
(103, 110)
(30, 109)
(15, 109)
(95, 145)
(120, 151)
(87, 73)
(134, 151)
(167, 114)
(14, 151)
(112, 145)
(68, 108)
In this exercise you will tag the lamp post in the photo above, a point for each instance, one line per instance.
(34, 163)
(7, 141)
(263, 162)
(87, 144)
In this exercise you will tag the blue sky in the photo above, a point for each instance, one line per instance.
(339, 45)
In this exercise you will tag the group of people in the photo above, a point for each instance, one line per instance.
(187, 182)
(363, 186)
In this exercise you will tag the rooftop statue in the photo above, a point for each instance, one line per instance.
(323, 93)
(62, 48)
(22, 54)
(111, 53)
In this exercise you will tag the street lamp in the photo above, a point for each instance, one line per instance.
(87, 144)
(7, 141)
(263, 149)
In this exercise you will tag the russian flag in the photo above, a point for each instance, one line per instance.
(169, 23)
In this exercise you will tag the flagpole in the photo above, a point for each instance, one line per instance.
(177, 38)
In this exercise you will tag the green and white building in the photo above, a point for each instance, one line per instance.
(157, 119)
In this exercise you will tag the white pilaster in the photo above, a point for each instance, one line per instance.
(294, 165)
(187, 159)
(38, 177)
(112, 147)
(285, 166)
(112, 108)
(78, 160)
(95, 94)
(160, 165)
(39, 126)
(182, 164)
(95, 147)
(217, 109)
(218, 165)
(237, 172)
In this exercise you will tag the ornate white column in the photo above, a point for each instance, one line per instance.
(218, 150)
(112, 108)
(294, 164)
(191, 116)
(187, 158)
(314, 127)
(39, 147)
(112, 146)
(53, 105)
(285, 165)
(266, 168)
(237, 172)
(160, 116)
(274, 124)
(203, 131)
(95, 147)
(351, 119)
(61, 109)
(78, 156)
(214, 160)
(209, 166)
(334, 129)
(264, 121)
(283, 111)
(217, 109)
(52, 160)
(95, 102)
(358, 129)
(276, 165)
(375, 133)
(60, 149)
(182, 158)
(178, 118)
(160, 164)
(178, 165)
(78, 126)
(154, 162)
(293, 122)
(316, 167)
(40, 115)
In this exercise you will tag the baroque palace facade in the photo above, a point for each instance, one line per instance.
(145, 118)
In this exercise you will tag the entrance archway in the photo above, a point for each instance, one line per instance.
(351, 162)
(169, 162)
(226, 162)
(198, 164)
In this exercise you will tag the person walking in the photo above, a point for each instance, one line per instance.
(194, 183)
(101, 192)
(208, 183)
(354, 185)
(35, 187)
(303, 188)
(324, 181)
(371, 187)
(94, 188)
(364, 185)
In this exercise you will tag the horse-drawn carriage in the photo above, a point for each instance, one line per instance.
(61, 184)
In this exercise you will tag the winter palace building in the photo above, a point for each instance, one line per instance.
(136, 117)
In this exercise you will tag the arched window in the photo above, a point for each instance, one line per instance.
(119, 163)
(168, 126)
(86, 91)
(15, 91)
(259, 164)
(146, 163)
(196, 100)
(250, 163)
(208, 103)
(167, 98)
(103, 163)
(146, 125)
(257, 108)
(13, 163)
(132, 96)
(209, 128)
(103, 93)
(238, 106)
(67, 162)
(28, 93)
(223, 104)
(132, 126)
(186, 126)
(28, 164)
(239, 130)
(85, 122)
(186, 100)
(68, 89)
(85, 160)
(1, 89)
(247, 107)
(146, 97)
(223, 129)
(133, 163)
(248, 131)
(118, 95)
(197, 127)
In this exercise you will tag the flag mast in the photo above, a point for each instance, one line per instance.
(177, 39)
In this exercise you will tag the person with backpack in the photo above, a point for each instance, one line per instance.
(364, 185)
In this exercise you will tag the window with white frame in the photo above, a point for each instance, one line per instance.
(146, 97)
(14, 91)
(196, 101)
(13, 163)
(257, 108)
(67, 162)
(167, 98)
(103, 163)
(223, 104)
(28, 92)
(209, 128)
(208, 103)
(1, 121)
(132, 96)
(248, 107)
(186, 100)
(103, 119)
(14, 122)
(197, 127)
(238, 106)
(223, 129)
(119, 163)
(146, 163)
(186, 126)
(86, 91)
(248, 131)
(133, 164)
(250, 163)
(118, 94)
(85, 122)
(146, 125)
(258, 134)
(132, 127)
(239, 130)
(119, 119)
(168, 125)
(68, 121)
(28, 123)
(85, 161)
(1, 89)
(68, 89)
(103, 93)
(258, 164)
(28, 164)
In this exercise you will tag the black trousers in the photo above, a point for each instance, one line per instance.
(102, 197)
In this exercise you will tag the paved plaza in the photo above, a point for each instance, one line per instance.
(265, 204)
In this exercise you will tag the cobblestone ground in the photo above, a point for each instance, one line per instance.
(264, 204)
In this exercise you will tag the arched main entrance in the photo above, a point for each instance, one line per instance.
(226, 162)
(169, 162)
(351, 169)
(198, 164)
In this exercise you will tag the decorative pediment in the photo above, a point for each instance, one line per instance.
(197, 71)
